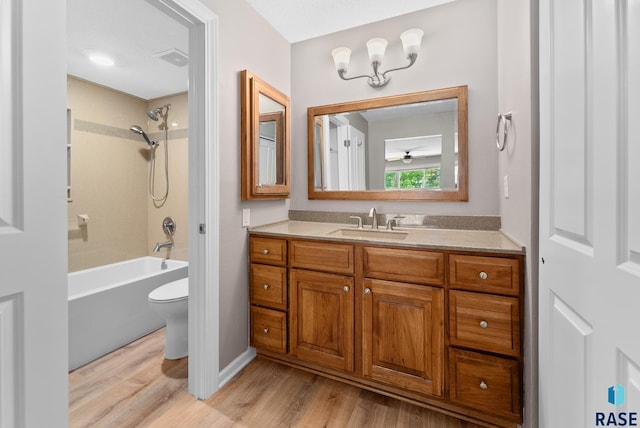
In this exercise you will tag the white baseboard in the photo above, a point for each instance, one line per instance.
(236, 365)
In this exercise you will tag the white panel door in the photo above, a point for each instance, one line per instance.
(357, 158)
(267, 161)
(344, 160)
(589, 210)
(33, 250)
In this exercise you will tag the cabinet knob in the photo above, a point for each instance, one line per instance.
(265, 330)
(484, 324)
(265, 286)
(367, 291)
(345, 288)
(483, 275)
(483, 385)
(265, 252)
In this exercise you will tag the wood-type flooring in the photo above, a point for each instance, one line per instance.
(136, 387)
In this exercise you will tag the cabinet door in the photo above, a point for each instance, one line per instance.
(321, 318)
(403, 335)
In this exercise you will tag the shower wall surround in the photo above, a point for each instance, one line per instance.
(109, 176)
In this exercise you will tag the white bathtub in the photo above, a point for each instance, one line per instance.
(108, 305)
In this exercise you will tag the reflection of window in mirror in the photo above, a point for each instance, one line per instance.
(416, 162)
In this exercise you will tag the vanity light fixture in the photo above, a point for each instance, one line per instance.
(411, 42)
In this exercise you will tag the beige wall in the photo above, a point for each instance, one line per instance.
(109, 177)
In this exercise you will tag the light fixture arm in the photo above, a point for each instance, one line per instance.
(412, 60)
(378, 79)
(343, 71)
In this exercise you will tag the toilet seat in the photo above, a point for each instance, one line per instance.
(171, 292)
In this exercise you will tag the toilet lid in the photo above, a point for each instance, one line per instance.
(176, 290)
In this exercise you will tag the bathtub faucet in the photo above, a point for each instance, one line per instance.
(160, 245)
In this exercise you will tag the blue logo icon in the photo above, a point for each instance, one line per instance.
(616, 395)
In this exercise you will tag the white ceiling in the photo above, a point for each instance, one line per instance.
(133, 32)
(299, 20)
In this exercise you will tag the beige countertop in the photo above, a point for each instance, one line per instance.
(444, 239)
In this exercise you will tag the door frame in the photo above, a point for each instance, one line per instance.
(204, 203)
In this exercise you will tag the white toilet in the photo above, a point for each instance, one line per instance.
(170, 301)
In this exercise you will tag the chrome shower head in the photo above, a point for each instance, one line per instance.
(138, 130)
(153, 114)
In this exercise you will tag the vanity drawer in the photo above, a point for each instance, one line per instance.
(269, 286)
(485, 382)
(268, 250)
(321, 256)
(414, 266)
(499, 275)
(268, 329)
(486, 322)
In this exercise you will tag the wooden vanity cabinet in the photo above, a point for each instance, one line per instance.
(485, 353)
(438, 328)
(268, 294)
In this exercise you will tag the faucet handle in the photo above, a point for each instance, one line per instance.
(355, 217)
(391, 222)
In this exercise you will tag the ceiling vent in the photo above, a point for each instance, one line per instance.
(174, 56)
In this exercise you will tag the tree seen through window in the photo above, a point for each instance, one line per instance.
(428, 178)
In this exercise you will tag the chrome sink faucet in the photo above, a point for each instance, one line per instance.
(160, 245)
(374, 222)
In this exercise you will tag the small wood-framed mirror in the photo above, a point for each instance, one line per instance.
(265, 152)
(410, 147)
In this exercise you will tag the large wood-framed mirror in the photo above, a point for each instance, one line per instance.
(404, 147)
(265, 152)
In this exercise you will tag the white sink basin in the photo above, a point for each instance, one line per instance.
(392, 235)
